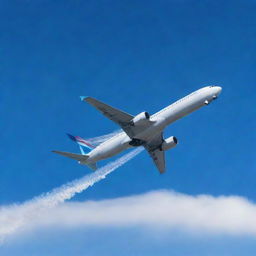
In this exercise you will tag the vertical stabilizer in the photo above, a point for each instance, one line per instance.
(82, 143)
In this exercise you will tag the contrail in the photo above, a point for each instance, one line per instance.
(14, 218)
(100, 139)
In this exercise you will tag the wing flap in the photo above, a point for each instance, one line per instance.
(93, 166)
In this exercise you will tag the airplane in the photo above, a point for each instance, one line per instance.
(141, 130)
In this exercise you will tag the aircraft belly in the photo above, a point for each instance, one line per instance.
(113, 150)
(140, 130)
(179, 111)
(151, 131)
(109, 149)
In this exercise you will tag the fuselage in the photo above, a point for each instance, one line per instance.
(160, 120)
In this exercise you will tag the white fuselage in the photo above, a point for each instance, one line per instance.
(161, 119)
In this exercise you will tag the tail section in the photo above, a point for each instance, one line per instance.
(82, 159)
(93, 166)
(82, 143)
(78, 157)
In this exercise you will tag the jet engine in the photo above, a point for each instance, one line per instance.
(140, 119)
(169, 143)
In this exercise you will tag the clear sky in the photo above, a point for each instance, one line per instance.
(137, 56)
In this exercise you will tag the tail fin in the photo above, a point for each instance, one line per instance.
(82, 143)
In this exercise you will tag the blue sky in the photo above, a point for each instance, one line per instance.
(137, 56)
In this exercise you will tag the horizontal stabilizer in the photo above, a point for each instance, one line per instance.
(81, 158)
(78, 157)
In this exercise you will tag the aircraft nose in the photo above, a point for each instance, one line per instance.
(218, 90)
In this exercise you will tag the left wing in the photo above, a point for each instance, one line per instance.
(158, 156)
(159, 159)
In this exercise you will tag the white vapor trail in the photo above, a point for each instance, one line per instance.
(100, 139)
(14, 217)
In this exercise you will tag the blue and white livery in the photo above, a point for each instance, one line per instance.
(141, 130)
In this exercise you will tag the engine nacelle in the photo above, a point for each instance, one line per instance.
(141, 119)
(169, 143)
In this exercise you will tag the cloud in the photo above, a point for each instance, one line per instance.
(17, 217)
(164, 210)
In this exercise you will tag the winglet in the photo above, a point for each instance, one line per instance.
(83, 98)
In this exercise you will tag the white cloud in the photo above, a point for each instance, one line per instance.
(159, 209)
(18, 217)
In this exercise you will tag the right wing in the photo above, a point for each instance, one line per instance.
(158, 156)
(120, 117)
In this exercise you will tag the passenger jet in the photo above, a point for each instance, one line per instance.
(141, 130)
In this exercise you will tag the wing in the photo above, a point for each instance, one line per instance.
(118, 116)
(121, 118)
(159, 159)
(158, 156)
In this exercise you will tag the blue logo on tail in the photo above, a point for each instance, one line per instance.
(82, 143)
